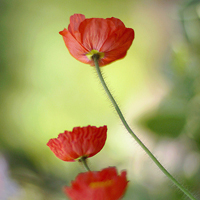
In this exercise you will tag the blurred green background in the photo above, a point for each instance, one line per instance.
(45, 91)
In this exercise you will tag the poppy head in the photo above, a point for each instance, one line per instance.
(80, 142)
(108, 38)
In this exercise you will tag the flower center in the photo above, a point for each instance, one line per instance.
(101, 184)
(94, 52)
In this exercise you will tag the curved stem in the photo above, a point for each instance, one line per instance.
(84, 161)
(154, 159)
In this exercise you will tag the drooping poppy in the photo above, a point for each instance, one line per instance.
(98, 185)
(109, 38)
(78, 143)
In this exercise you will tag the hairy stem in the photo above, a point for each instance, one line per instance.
(154, 159)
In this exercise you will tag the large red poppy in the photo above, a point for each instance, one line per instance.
(99, 185)
(80, 142)
(109, 38)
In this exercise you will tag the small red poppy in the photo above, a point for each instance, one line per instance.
(109, 38)
(99, 185)
(80, 142)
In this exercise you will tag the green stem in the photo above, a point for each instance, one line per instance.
(154, 159)
(84, 161)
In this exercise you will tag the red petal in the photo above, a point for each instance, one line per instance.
(116, 45)
(117, 22)
(74, 47)
(62, 147)
(118, 39)
(94, 32)
(92, 139)
(73, 27)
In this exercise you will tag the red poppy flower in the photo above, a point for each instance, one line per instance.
(109, 38)
(80, 142)
(100, 185)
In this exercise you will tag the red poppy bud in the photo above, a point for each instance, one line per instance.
(109, 38)
(80, 142)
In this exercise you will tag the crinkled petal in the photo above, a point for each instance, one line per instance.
(92, 139)
(62, 148)
(80, 142)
